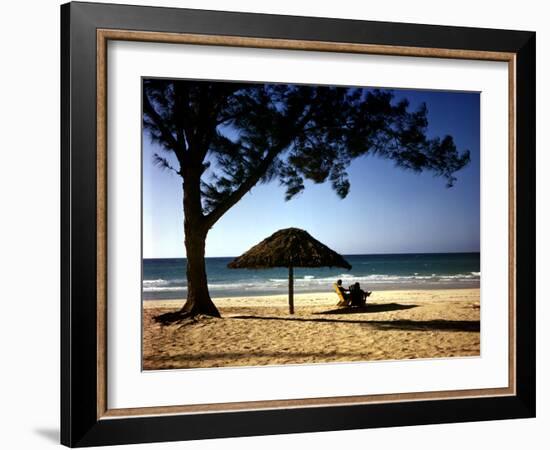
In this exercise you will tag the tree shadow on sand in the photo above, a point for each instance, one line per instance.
(427, 325)
(370, 308)
(400, 325)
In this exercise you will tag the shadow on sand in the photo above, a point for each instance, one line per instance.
(427, 325)
(400, 325)
(370, 308)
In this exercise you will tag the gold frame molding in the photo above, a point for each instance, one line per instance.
(105, 35)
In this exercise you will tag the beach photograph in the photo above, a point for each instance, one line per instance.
(308, 224)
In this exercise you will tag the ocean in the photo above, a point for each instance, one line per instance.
(165, 278)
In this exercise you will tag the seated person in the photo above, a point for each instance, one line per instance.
(343, 294)
(358, 296)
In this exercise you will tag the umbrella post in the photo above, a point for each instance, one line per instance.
(290, 289)
(285, 248)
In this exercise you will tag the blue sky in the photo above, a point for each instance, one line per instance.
(388, 210)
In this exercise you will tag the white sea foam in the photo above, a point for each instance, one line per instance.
(162, 289)
(158, 282)
(310, 282)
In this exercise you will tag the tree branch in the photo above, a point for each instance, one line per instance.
(248, 184)
(166, 135)
(163, 163)
(185, 118)
(257, 174)
(208, 133)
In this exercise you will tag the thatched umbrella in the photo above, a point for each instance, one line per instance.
(290, 248)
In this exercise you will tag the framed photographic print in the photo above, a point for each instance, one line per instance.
(276, 224)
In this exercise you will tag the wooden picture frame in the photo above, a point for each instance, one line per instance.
(86, 418)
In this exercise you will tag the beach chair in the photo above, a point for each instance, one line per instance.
(341, 299)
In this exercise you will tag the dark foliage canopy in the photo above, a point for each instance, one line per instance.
(235, 135)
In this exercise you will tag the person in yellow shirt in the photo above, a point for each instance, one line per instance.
(343, 294)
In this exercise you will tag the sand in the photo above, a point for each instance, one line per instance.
(256, 331)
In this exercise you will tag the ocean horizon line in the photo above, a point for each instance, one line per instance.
(343, 254)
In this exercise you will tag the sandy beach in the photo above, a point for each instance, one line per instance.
(257, 331)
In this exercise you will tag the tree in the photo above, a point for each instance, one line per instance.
(228, 137)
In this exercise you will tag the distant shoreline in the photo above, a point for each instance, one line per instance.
(321, 298)
(474, 284)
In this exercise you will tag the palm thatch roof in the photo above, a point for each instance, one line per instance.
(290, 247)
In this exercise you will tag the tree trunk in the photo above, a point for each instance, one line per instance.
(198, 297)
(195, 229)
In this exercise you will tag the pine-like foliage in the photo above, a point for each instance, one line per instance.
(230, 136)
